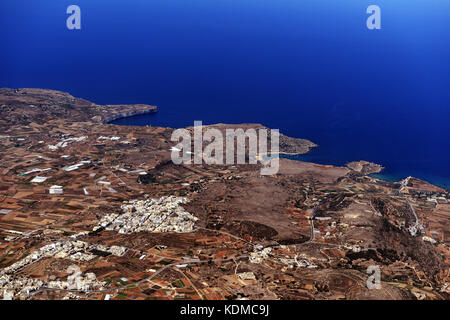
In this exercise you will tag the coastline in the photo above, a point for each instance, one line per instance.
(108, 120)
(312, 155)
(61, 161)
(392, 178)
(386, 175)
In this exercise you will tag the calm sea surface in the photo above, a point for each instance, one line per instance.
(308, 67)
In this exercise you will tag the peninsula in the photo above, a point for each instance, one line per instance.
(79, 194)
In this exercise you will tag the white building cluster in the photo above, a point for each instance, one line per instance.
(259, 254)
(155, 215)
(65, 142)
(21, 287)
(108, 138)
(74, 250)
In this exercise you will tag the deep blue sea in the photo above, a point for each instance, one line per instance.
(308, 67)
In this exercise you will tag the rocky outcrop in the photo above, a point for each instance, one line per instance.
(365, 167)
(114, 112)
(294, 146)
(24, 106)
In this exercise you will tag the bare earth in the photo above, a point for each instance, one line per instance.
(308, 232)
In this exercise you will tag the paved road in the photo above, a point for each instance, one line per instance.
(417, 225)
(413, 210)
(224, 233)
(140, 281)
(175, 264)
(312, 237)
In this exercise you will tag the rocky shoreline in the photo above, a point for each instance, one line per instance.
(143, 109)
(365, 167)
(28, 105)
(125, 213)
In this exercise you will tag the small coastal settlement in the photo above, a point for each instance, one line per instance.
(90, 210)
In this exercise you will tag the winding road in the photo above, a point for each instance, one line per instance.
(140, 281)
(193, 261)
